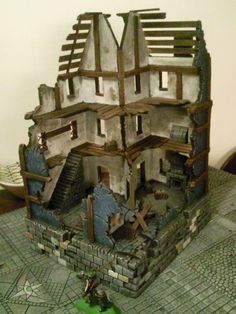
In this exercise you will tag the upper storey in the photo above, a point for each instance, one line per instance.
(155, 58)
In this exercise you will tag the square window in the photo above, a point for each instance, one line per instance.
(137, 84)
(101, 127)
(70, 87)
(139, 124)
(163, 80)
(99, 86)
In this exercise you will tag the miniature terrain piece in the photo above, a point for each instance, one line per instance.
(117, 159)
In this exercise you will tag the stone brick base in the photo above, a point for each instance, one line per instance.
(129, 273)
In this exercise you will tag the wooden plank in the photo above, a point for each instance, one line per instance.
(96, 42)
(176, 69)
(202, 128)
(70, 57)
(172, 42)
(133, 185)
(90, 218)
(142, 222)
(67, 66)
(73, 46)
(85, 26)
(36, 176)
(171, 24)
(56, 132)
(199, 107)
(178, 147)
(176, 34)
(36, 200)
(136, 71)
(179, 86)
(57, 97)
(77, 36)
(176, 51)
(143, 213)
(85, 17)
(189, 162)
(194, 182)
(152, 16)
(121, 81)
(136, 43)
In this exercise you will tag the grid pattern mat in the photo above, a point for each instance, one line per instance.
(202, 279)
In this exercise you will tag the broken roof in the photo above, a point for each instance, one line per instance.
(162, 38)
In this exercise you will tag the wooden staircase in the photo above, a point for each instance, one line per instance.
(69, 189)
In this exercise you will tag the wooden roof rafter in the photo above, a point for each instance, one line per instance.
(72, 60)
(175, 38)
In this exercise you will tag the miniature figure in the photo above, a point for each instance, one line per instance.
(93, 295)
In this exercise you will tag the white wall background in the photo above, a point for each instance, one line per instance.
(32, 32)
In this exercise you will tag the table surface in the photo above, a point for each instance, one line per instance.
(202, 279)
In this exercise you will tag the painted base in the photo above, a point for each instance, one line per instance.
(86, 308)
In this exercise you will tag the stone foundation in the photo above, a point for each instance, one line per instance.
(127, 272)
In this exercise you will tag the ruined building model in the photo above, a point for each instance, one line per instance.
(117, 159)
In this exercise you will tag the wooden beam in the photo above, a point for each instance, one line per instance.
(176, 69)
(76, 36)
(170, 24)
(57, 97)
(58, 131)
(171, 42)
(202, 127)
(121, 76)
(142, 222)
(35, 200)
(85, 26)
(68, 66)
(199, 107)
(90, 218)
(143, 214)
(190, 162)
(179, 86)
(151, 16)
(71, 46)
(70, 57)
(193, 183)
(36, 177)
(136, 42)
(96, 42)
(176, 51)
(132, 185)
(176, 34)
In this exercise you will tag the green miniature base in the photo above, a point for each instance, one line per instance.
(86, 308)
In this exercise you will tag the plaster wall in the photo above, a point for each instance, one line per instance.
(115, 166)
(130, 129)
(154, 86)
(130, 94)
(151, 157)
(112, 130)
(163, 118)
(129, 62)
(85, 92)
